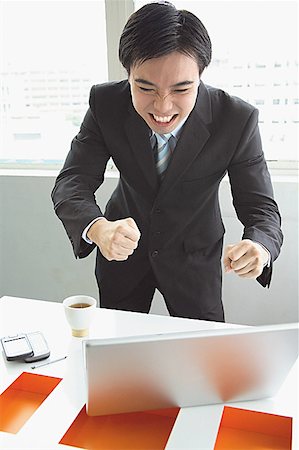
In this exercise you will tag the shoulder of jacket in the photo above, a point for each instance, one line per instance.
(219, 96)
(110, 98)
(111, 88)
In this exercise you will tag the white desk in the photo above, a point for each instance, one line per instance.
(195, 428)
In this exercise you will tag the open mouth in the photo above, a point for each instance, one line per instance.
(163, 120)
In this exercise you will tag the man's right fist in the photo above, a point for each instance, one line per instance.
(116, 240)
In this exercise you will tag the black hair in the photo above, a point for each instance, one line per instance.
(158, 29)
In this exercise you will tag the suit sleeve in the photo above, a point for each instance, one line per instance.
(253, 194)
(82, 174)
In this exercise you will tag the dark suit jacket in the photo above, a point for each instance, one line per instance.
(180, 220)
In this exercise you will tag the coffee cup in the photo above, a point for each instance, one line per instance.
(79, 311)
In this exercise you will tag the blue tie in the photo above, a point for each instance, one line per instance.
(164, 147)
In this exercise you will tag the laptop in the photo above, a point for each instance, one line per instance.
(181, 369)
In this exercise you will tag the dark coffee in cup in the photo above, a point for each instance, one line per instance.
(80, 305)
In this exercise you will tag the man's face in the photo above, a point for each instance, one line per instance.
(164, 90)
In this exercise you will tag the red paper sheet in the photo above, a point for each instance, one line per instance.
(133, 431)
(22, 398)
(248, 430)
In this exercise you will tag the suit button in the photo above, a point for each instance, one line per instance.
(158, 211)
(155, 253)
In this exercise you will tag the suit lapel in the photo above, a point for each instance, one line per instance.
(191, 142)
(138, 134)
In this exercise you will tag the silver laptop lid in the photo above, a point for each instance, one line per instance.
(183, 369)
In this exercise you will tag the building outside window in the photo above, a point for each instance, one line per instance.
(52, 52)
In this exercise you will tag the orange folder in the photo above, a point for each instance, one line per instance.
(247, 430)
(134, 431)
(22, 398)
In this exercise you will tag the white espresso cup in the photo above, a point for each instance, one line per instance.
(79, 311)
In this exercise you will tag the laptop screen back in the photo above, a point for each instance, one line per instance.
(183, 369)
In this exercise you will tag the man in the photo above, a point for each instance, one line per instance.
(162, 227)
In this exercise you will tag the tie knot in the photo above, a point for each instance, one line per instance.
(162, 139)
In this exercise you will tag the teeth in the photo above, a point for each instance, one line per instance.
(162, 119)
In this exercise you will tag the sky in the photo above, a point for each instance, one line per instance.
(52, 34)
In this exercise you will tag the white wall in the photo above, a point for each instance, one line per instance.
(36, 258)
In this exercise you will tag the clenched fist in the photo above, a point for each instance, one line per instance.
(247, 258)
(116, 240)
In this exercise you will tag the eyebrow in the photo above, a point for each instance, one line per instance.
(149, 83)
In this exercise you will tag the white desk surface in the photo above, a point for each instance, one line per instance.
(195, 428)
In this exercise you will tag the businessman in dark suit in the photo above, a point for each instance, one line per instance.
(162, 227)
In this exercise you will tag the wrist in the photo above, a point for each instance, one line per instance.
(95, 228)
(266, 258)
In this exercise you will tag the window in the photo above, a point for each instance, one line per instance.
(255, 48)
(52, 53)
